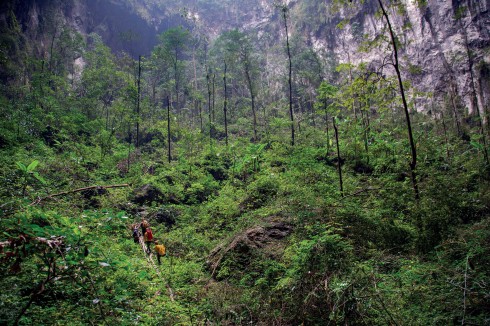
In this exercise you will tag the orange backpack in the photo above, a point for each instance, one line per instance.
(148, 235)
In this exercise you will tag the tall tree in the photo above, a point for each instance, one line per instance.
(138, 104)
(208, 84)
(250, 69)
(102, 83)
(394, 42)
(307, 75)
(169, 156)
(396, 65)
(339, 159)
(477, 111)
(225, 103)
(326, 94)
(284, 10)
(237, 50)
(226, 51)
(173, 47)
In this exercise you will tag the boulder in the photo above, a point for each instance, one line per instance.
(243, 245)
(147, 194)
(166, 216)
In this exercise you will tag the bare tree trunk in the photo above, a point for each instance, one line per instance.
(138, 105)
(196, 104)
(474, 96)
(284, 11)
(365, 127)
(326, 123)
(130, 136)
(445, 135)
(208, 82)
(413, 163)
(339, 162)
(455, 110)
(453, 89)
(200, 114)
(177, 84)
(350, 80)
(252, 97)
(168, 130)
(225, 106)
(214, 93)
(312, 108)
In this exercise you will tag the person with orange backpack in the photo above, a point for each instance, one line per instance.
(160, 249)
(148, 237)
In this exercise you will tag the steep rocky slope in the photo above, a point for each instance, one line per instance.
(445, 45)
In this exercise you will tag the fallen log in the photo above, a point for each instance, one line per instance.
(40, 199)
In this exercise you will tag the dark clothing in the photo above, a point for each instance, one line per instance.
(136, 235)
(148, 248)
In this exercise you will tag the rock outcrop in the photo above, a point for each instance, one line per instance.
(242, 247)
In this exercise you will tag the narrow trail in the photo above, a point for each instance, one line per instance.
(151, 262)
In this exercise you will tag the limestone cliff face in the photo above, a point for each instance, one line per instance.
(445, 47)
(445, 44)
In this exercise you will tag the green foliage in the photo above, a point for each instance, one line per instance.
(29, 170)
(261, 191)
(29, 176)
(324, 252)
(256, 232)
(311, 262)
(224, 209)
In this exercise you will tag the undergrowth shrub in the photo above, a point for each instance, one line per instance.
(260, 192)
(311, 263)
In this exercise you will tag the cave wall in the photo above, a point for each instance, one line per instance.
(119, 25)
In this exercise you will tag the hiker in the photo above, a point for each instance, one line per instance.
(148, 237)
(160, 249)
(144, 225)
(136, 234)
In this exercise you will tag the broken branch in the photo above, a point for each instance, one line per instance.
(37, 201)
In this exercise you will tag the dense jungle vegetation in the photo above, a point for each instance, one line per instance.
(288, 188)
